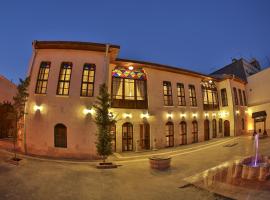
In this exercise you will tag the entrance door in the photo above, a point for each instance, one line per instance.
(206, 130)
(145, 136)
(226, 128)
(127, 137)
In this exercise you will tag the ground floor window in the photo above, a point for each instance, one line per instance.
(169, 134)
(195, 131)
(183, 132)
(127, 137)
(60, 136)
(220, 125)
(226, 128)
(206, 130)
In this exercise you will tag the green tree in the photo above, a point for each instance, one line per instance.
(19, 105)
(103, 120)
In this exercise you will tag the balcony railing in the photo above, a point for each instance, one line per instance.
(210, 107)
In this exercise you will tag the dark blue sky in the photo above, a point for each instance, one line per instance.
(197, 35)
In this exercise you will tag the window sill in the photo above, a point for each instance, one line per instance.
(84, 97)
(63, 96)
(36, 94)
(169, 106)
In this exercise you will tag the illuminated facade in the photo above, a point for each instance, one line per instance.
(156, 106)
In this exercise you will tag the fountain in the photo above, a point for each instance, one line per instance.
(255, 167)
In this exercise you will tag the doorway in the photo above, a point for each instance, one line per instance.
(206, 130)
(145, 136)
(226, 128)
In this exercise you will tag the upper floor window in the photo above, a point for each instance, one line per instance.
(235, 96)
(42, 79)
(181, 94)
(245, 98)
(224, 99)
(64, 79)
(210, 96)
(88, 78)
(167, 93)
(240, 97)
(129, 88)
(192, 95)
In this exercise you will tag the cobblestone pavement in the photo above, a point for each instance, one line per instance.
(49, 179)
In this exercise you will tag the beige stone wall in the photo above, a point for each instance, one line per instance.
(7, 90)
(68, 110)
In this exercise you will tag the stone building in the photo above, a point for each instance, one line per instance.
(156, 106)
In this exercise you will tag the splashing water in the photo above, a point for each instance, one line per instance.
(256, 145)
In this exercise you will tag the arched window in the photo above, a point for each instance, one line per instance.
(169, 134)
(214, 128)
(226, 128)
(127, 137)
(183, 132)
(113, 136)
(195, 131)
(88, 78)
(243, 124)
(220, 125)
(60, 136)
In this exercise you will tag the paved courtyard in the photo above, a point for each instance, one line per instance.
(46, 179)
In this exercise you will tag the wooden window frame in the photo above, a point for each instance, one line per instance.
(40, 78)
(192, 96)
(210, 90)
(170, 134)
(88, 67)
(169, 100)
(195, 131)
(240, 97)
(181, 94)
(224, 98)
(235, 96)
(60, 91)
(129, 103)
(60, 142)
(245, 98)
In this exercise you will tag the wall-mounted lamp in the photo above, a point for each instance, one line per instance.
(127, 115)
(206, 114)
(169, 115)
(194, 115)
(130, 67)
(38, 108)
(237, 112)
(183, 115)
(145, 115)
(87, 111)
(214, 114)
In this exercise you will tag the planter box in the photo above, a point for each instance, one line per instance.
(160, 162)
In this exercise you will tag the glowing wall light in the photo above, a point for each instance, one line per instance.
(145, 115)
(127, 115)
(87, 111)
(214, 114)
(169, 115)
(38, 108)
(183, 115)
(194, 115)
(237, 112)
(130, 67)
(206, 114)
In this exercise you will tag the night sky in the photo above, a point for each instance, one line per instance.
(197, 35)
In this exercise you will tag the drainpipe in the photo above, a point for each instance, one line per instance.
(233, 106)
(26, 104)
(106, 65)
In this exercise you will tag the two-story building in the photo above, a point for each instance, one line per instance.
(156, 106)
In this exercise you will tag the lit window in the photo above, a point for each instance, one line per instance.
(192, 95)
(167, 93)
(88, 78)
(64, 79)
(42, 80)
(181, 94)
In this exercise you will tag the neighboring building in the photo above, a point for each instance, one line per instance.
(241, 68)
(7, 90)
(156, 106)
(259, 102)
